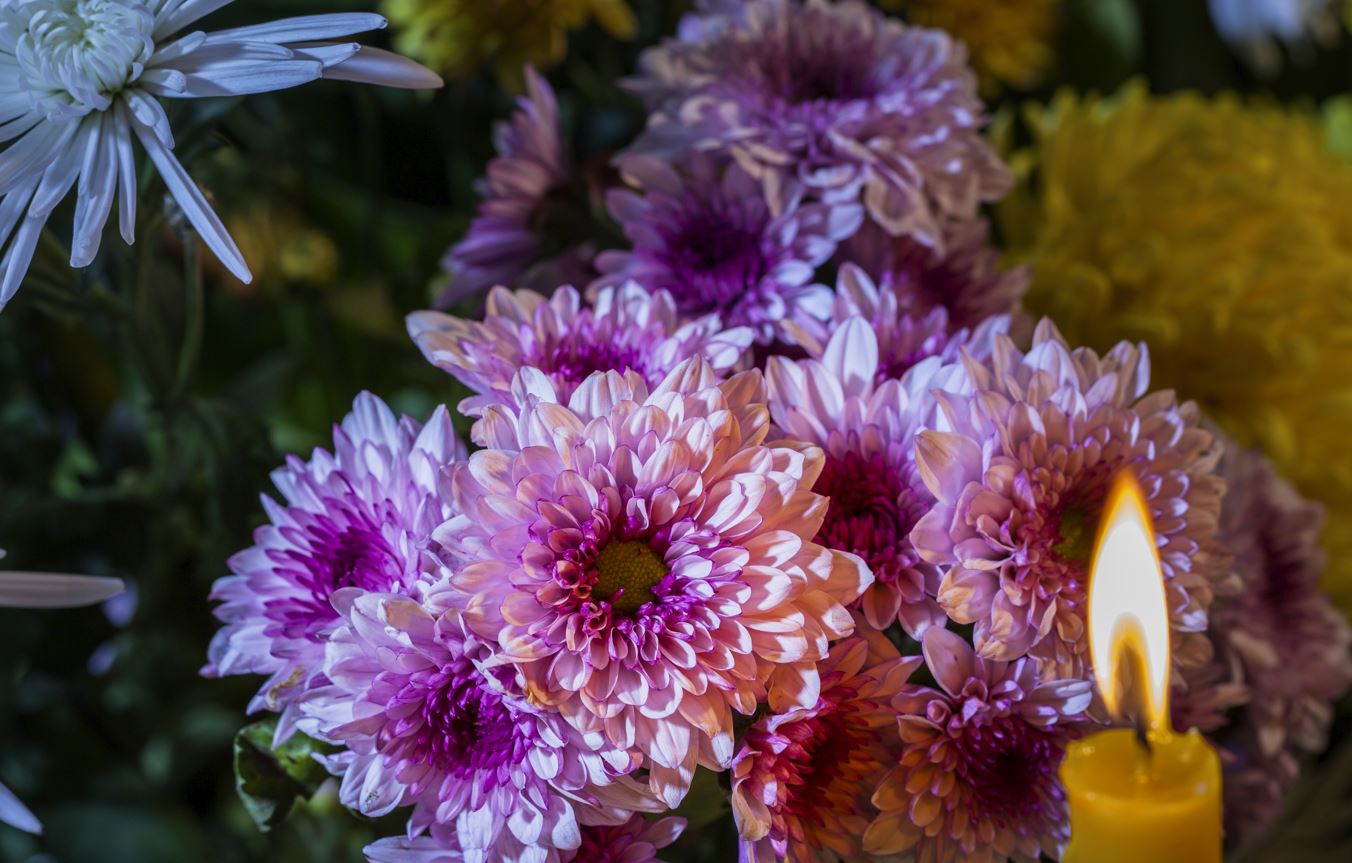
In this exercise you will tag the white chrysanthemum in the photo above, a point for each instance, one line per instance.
(79, 79)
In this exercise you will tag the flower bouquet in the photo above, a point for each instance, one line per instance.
(755, 514)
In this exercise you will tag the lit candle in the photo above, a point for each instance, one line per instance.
(1148, 795)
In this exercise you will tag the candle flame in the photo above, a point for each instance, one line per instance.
(1128, 613)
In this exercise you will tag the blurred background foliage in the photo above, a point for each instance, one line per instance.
(144, 401)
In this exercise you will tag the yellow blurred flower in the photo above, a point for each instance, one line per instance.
(1011, 41)
(459, 36)
(1220, 233)
(280, 246)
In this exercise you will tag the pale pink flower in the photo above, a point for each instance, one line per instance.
(802, 780)
(646, 559)
(1021, 475)
(977, 779)
(867, 425)
(636, 840)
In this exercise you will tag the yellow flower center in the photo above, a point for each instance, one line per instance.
(1077, 528)
(626, 572)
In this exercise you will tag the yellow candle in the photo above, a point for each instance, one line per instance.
(1130, 804)
(1165, 810)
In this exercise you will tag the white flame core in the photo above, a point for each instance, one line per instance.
(1128, 612)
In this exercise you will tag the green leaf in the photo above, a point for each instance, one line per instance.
(269, 780)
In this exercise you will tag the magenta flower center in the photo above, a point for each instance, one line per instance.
(464, 726)
(715, 256)
(343, 549)
(873, 508)
(576, 359)
(1009, 769)
(626, 573)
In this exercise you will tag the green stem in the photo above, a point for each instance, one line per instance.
(193, 314)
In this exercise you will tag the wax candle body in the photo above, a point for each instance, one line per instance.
(1126, 808)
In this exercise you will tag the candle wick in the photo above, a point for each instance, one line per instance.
(1143, 736)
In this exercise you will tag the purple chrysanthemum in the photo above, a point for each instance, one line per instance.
(834, 100)
(646, 560)
(708, 237)
(1021, 479)
(531, 165)
(636, 840)
(358, 517)
(977, 778)
(965, 279)
(426, 722)
(802, 780)
(1294, 648)
(1288, 642)
(866, 423)
(905, 332)
(626, 330)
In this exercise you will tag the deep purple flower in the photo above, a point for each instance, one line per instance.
(626, 330)
(965, 279)
(358, 517)
(1283, 635)
(708, 237)
(977, 778)
(834, 100)
(635, 841)
(532, 165)
(427, 722)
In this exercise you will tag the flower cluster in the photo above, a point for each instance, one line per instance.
(787, 488)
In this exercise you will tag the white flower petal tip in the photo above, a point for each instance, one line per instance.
(86, 79)
(15, 814)
(54, 590)
(385, 69)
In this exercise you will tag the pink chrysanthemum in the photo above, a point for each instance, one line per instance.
(977, 778)
(708, 237)
(1021, 479)
(358, 517)
(627, 329)
(832, 99)
(905, 332)
(866, 423)
(532, 165)
(965, 279)
(426, 722)
(802, 780)
(647, 561)
(634, 841)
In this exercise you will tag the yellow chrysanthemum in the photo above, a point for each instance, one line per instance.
(1010, 41)
(459, 36)
(1221, 234)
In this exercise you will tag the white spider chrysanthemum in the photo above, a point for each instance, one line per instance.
(79, 79)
